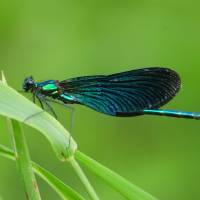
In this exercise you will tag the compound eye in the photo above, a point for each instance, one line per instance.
(30, 82)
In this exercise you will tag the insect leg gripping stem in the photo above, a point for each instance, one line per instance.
(72, 110)
(49, 108)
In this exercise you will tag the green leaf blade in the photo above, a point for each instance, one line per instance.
(6, 152)
(64, 191)
(124, 187)
(83, 178)
(23, 161)
(16, 106)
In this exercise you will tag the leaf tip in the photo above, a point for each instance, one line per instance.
(3, 78)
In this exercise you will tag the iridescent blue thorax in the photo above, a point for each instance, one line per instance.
(49, 87)
(49, 84)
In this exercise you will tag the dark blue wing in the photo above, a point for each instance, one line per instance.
(124, 94)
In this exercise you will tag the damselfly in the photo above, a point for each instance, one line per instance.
(125, 94)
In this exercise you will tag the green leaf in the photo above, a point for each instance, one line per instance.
(6, 152)
(23, 161)
(16, 106)
(11, 105)
(117, 182)
(83, 178)
(64, 191)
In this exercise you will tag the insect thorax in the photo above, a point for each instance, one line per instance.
(48, 87)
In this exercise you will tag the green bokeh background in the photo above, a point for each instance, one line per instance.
(64, 38)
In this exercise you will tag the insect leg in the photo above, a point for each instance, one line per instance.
(42, 100)
(71, 109)
(41, 104)
(36, 94)
(34, 100)
(34, 97)
(71, 122)
(51, 109)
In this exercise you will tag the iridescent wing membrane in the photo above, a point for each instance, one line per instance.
(124, 94)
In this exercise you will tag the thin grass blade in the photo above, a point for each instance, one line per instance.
(23, 161)
(64, 191)
(121, 185)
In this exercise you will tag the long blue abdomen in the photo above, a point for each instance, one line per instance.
(173, 113)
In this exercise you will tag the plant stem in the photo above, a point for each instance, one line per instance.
(23, 161)
(63, 190)
(83, 179)
(6, 152)
(117, 182)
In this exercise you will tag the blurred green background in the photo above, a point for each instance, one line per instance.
(60, 39)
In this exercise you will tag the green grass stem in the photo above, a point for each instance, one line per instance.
(84, 179)
(64, 191)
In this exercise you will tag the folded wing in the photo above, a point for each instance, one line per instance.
(124, 94)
